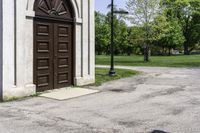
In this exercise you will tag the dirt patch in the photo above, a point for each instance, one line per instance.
(124, 90)
(130, 124)
(176, 111)
(163, 93)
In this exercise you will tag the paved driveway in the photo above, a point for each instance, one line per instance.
(166, 99)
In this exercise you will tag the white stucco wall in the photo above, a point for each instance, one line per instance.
(1, 52)
(84, 41)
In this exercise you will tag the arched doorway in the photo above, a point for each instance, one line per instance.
(53, 44)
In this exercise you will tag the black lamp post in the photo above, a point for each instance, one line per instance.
(112, 70)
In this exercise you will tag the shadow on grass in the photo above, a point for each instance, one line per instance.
(155, 61)
(133, 62)
(102, 75)
(186, 64)
(117, 62)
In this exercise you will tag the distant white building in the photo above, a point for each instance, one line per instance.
(45, 44)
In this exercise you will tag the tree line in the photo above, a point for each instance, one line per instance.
(159, 27)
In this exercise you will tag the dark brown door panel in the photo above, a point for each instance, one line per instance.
(52, 54)
(43, 50)
(63, 55)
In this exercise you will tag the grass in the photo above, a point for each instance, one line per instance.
(160, 61)
(102, 75)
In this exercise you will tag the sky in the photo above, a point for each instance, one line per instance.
(101, 5)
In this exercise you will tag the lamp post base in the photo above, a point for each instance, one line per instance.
(112, 73)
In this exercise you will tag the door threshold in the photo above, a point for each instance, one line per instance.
(68, 93)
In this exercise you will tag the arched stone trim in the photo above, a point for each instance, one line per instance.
(76, 8)
(29, 8)
(31, 13)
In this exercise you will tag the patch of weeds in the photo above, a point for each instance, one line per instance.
(102, 75)
(10, 99)
(36, 94)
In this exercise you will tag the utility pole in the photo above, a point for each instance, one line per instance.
(112, 69)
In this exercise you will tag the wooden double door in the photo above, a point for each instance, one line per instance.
(53, 54)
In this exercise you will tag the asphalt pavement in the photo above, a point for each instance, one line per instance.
(157, 101)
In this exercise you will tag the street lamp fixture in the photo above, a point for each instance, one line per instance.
(112, 70)
(120, 12)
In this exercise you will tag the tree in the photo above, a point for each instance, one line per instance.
(120, 33)
(135, 39)
(121, 37)
(142, 13)
(102, 34)
(102, 31)
(174, 37)
(167, 33)
(188, 14)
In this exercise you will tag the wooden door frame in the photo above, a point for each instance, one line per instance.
(73, 37)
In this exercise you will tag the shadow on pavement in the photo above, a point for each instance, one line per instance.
(158, 131)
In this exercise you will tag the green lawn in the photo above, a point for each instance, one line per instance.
(102, 75)
(161, 61)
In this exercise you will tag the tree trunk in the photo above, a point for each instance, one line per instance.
(129, 52)
(163, 50)
(146, 54)
(169, 52)
(186, 49)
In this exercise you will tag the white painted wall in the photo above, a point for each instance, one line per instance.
(8, 45)
(84, 41)
(1, 51)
